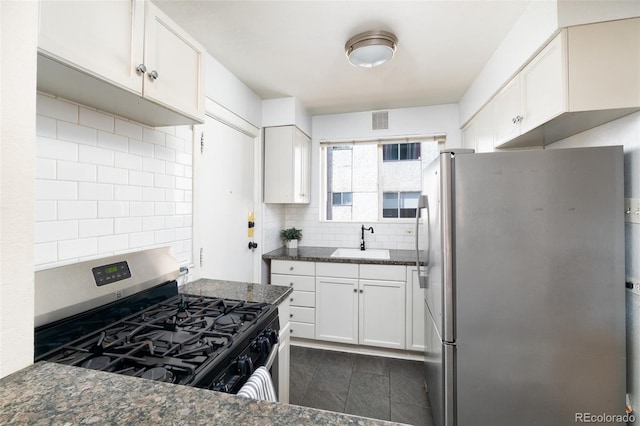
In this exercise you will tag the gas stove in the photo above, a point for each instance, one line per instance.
(151, 331)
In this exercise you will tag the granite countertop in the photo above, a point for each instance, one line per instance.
(323, 254)
(54, 394)
(272, 294)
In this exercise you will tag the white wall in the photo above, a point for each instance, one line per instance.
(286, 111)
(406, 121)
(624, 131)
(18, 30)
(106, 185)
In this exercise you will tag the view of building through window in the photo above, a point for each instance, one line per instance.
(369, 181)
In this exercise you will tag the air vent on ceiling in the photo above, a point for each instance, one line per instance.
(380, 120)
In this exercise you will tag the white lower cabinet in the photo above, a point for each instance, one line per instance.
(281, 369)
(359, 310)
(358, 304)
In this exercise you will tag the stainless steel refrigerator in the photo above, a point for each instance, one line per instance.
(524, 286)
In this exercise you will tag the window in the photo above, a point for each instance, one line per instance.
(401, 151)
(373, 181)
(342, 198)
(400, 204)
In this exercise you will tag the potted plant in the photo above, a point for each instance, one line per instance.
(290, 237)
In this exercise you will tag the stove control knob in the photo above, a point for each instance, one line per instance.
(245, 365)
(264, 345)
(272, 335)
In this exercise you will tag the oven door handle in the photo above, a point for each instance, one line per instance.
(272, 356)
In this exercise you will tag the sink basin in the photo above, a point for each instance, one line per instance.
(361, 254)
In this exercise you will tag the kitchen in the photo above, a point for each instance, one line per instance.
(19, 149)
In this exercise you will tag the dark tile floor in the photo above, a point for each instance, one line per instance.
(368, 386)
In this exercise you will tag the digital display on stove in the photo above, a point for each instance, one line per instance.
(108, 274)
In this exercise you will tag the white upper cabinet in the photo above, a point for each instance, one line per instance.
(287, 155)
(586, 76)
(125, 57)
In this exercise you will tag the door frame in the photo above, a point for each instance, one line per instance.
(227, 117)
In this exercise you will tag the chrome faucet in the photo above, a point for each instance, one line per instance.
(362, 238)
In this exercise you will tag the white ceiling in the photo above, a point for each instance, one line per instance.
(296, 48)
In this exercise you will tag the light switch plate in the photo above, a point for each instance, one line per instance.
(632, 210)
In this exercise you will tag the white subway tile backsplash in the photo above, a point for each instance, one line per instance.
(184, 158)
(113, 243)
(56, 231)
(141, 239)
(174, 169)
(164, 181)
(46, 210)
(45, 253)
(77, 248)
(152, 194)
(128, 129)
(175, 143)
(95, 227)
(183, 183)
(79, 172)
(141, 208)
(111, 141)
(127, 225)
(140, 178)
(140, 148)
(127, 193)
(93, 155)
(68, 210)
(45, 126)
(154, 136)
(128, 161)
(162, 209)
(76, 133)
(106, 185)
(108, 209)
(112, 175)
(45, 168)
(95, 191)
(166, 154)
(152, 165)
(56, 190)
(56, 108)
(96, 119)
(55, 149)
(153, 223)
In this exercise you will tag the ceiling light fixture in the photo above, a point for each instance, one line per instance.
(371, 48)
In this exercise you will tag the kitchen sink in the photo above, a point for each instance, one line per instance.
(361, 254)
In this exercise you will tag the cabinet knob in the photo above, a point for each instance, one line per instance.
(291, 299)
(290, 284)
(291, 268)
(291, 330)
(361, 291)
(153, 75)
(355, 290)
(290, 315)
(141, 69)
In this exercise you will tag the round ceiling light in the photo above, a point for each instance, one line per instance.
(371, 48)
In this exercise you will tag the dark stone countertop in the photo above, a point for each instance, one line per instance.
(323, 254)
(54, 394)
(272, 294)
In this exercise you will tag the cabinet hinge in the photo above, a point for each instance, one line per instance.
(201, 256)
(202, 143)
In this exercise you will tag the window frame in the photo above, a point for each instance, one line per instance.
(324, 195)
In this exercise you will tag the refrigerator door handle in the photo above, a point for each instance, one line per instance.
(423, 202)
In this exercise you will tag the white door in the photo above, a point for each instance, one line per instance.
(226, 185)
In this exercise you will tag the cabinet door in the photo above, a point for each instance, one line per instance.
(469, 135)
(283, 367)
(485, 122)
(279, 162)
(101, 38)
(382, 313)
(544, 85)
(415, 312)
(337, 309)
(177, 61)
(508, 112)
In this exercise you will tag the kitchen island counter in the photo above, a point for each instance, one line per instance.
(271, 294)
(55, 394)
(323, 254)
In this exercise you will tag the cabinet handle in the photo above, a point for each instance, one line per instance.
(153, 75)
(141, 69)
(517, 119)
